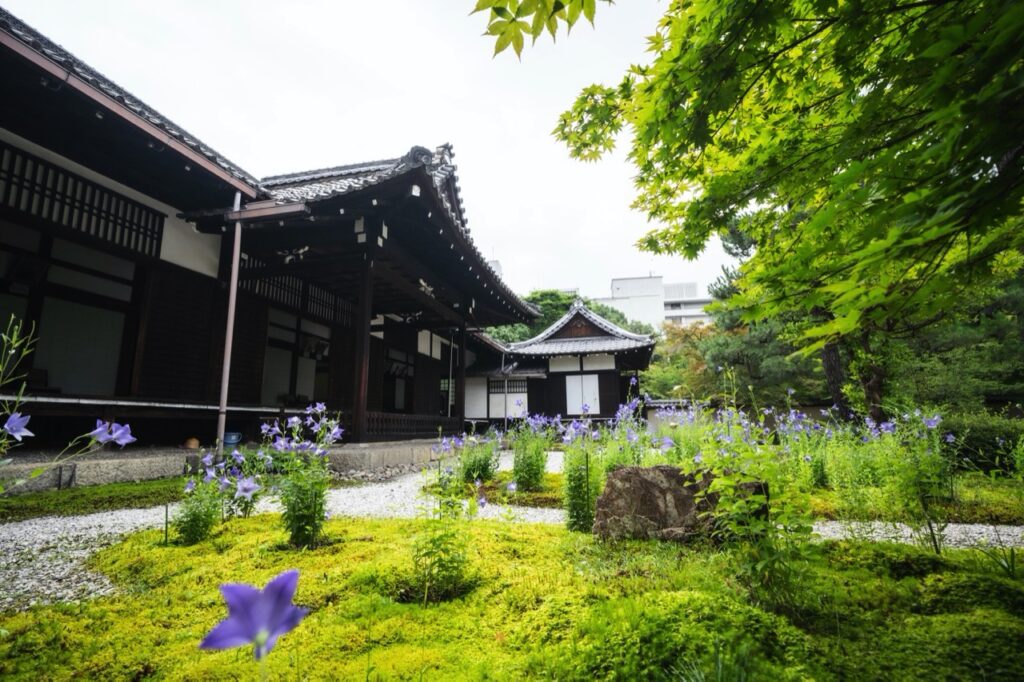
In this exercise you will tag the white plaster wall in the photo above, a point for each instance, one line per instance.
(596, 362)
(564, 363)
(476, 397)
(181, 244)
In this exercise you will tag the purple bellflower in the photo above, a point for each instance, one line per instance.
(102, 431)
(15, 425)
(190, 486)
(257, 617)
(121, 434)
(247, 487)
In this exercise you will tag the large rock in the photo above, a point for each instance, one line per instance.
(659, 502)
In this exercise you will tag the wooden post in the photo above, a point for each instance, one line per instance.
(460, 379)
(229, 332)
(361, 375)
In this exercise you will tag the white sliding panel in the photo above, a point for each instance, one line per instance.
(582, 390)
(476, 397)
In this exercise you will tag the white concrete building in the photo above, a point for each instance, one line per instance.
(651, 300)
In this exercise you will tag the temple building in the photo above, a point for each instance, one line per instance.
(581, 364)
(128, 244)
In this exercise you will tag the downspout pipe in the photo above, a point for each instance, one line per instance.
(229, 331)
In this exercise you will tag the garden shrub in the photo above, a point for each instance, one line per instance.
(440, 561)
(677, 635)
(529, 462)
(981, 644)
(984, 440)
(198, 514)
(896, 561)
(304, 498)
(953, 593)
(582, 483)
(478, 460)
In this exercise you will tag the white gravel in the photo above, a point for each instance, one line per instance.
(43, 560)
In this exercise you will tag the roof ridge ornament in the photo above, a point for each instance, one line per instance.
(417, 156)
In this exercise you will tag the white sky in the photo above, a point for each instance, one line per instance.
(287, 86)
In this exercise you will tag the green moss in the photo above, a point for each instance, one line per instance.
(546, 603)
(90, 499)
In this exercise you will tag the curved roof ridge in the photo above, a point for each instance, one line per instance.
(579, 307)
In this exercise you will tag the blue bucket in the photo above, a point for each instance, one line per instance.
(232, 438)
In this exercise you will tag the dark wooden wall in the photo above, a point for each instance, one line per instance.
(179, 328)
(537, 395)
(427, 385)
(248, 348)
(608, 392)
(342, 366)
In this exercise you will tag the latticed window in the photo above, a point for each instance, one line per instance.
(499, 385)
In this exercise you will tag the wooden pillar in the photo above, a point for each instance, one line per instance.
(361, 375)
(460, 377)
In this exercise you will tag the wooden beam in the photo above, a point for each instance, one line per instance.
(263, 212)
(460, 377)
(361, 375)
(395, 279)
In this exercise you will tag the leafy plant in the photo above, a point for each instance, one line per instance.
(439, 553)
(529, 461)
(478, 459)
(303, 493)
(198, 513)
(582, 480)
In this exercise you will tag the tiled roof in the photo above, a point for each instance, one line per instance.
(326, 183)
(580, 346)
(51, 50)
(618, 339)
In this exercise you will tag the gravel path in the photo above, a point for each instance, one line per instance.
(43, 560)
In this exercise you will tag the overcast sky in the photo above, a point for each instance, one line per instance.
(287, 86)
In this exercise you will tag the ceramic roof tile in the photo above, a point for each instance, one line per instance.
(43, 45)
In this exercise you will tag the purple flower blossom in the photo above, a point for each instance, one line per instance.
(631, 436)
(207, 459)
(238, 457)
(698, 458)
(807, 458)
(121, 434)
(15, 425)
(257, 617)
(632, 381)
(190, 486)
(247, 487)
(887, 427)
(790, 391)
(949, 438)
(933, 421)
(512, 487)
(293, 422)
(482, 502)
(478, 483)
(234, 471)
(667, 444)
(210, 475)
(102, 431)
(225, 483)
